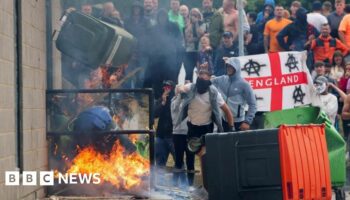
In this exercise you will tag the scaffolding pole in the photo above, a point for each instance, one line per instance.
(240, 30)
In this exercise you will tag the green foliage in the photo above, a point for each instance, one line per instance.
(143, 148)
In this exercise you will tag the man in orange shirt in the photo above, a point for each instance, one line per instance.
(272, 28)
(344, 28)
(324, 46)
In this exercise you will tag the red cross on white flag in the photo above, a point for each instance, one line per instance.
(279, 80)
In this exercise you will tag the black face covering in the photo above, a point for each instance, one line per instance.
(202, 85)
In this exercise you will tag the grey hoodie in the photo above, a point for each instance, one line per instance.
(176, 106)
(237, 93)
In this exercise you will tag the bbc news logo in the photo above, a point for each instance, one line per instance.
(47, 178)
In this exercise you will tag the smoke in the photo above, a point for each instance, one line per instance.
(165, 52)
(158, 51)
(159, 54)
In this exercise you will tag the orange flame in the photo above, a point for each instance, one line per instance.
(133, 138)
(105, 76)
(124, 171)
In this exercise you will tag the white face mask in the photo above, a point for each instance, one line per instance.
(320, 88)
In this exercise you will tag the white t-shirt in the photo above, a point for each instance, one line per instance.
(337, 72)
(316, 19)
(328, 103)
(200, 110)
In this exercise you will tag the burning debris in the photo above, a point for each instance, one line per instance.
(107, 77)
(122, 166)
(90, 132)
(124, 171)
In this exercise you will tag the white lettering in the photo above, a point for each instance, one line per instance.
(73, 178)
(85, 178)
(63, 178)
(283, 81)
(296, 79)
(47, 178)
(289, 79)
(96, 178)
(268, 82)
(259, 83)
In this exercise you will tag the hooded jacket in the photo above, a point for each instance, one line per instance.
(190, 95)
(165, 124)
(260, 16)
(298, 32)
(237, 93)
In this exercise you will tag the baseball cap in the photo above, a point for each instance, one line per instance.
(227, 34)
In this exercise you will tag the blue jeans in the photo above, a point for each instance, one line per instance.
(163, 147)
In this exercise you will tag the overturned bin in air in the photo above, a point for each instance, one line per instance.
(269, 164)
(92, 41)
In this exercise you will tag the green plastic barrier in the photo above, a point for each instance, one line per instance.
(335, 142)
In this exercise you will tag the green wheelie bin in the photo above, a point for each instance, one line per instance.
(93, 42)
(335, 143)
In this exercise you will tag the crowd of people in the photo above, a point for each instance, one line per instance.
(205, 40)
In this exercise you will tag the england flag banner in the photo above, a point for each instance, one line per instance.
(279, 80)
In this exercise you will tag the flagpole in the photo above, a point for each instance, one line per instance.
(240, 29)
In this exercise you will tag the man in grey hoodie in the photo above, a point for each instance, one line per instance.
(237, 93)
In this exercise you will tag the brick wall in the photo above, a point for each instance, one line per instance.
(7, 97)
(34, 86)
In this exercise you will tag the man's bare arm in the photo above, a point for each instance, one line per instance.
(266, 43)
(342, 37)
(228, 114)
(339, 91)
(346, 108)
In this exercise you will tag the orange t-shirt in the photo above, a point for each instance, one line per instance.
(272, 28)
(345, 27)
